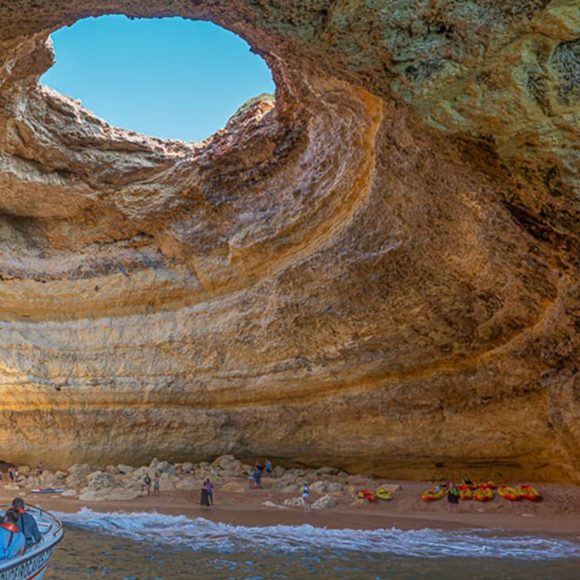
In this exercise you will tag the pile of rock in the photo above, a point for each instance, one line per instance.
(125, 482)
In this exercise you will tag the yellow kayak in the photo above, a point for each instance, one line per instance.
(432, 495)
(483, 494)
(530, 493)
(509, 493)
(384, 494)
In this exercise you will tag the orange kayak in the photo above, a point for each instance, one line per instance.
(432, 495)
(487, 485)
(509, 493)
(483, 494)
(530, 493)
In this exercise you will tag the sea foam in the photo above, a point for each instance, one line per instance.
(201, 534)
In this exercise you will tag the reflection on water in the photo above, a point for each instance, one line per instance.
(137, 547)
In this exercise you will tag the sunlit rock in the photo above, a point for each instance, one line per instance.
(376, 272)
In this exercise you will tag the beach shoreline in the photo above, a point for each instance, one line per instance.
(558, 514)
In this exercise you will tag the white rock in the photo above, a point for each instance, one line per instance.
(164, 467)
(325, 502)
(319, 487)
(293, 502)
(125, 469)
(271, 504)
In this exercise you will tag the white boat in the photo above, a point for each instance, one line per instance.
(34, 562)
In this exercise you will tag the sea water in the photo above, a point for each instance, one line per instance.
(148, 546)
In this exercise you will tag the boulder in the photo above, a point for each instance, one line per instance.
(229, 465)
(49, 479)
(325, 502)
(77, 475)
(165, 468)
(334, 487)
(234, 487)
(278, 471)
(125, 469)
(319, 487)
(187, 467)
(293, 502)
(326, 471)
(24, 470)
(100, 480)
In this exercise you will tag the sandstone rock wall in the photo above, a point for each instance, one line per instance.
(378, 272)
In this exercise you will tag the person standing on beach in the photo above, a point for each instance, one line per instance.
(268, 467)
(453, 497)
(157, 483)
(209, 487)
(306, 497)
(146, 484)
(204, 501)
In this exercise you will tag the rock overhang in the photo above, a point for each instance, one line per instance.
(330, 280)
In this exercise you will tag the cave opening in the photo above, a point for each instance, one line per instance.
(171, 78)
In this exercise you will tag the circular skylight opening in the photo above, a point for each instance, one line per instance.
(171, 78)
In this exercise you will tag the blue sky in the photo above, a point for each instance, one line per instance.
(168, 77)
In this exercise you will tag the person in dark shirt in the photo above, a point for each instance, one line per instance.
(28, 525)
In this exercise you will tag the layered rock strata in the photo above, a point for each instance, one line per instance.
(377, 272)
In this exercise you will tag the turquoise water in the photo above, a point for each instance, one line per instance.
(150, 546)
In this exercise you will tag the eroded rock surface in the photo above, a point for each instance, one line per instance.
(377, 273)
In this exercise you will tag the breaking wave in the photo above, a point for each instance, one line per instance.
(200, 534)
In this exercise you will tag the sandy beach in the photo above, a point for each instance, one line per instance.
(559, 513)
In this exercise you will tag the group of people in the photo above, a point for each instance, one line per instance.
(14, 473)
(156, 481)
(255, 476)
(18, 530)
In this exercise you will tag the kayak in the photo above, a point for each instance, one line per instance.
(384, 494)
(465, 493)
(487, 485)
(483, 494)
(48, 490)
(509, 493)
(366, 494)
(530, 493)
(432, 495)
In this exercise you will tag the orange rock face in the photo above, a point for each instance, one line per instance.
(377, 272)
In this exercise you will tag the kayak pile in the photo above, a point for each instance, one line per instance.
(372, 496)
(483, 492)
(527, 492)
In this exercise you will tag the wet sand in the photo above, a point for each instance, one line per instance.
(559, 513)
